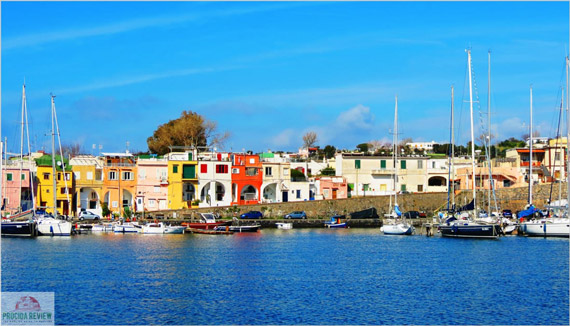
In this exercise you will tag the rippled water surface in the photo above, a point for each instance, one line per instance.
(349, 276)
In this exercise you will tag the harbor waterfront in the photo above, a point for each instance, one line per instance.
(299, 276)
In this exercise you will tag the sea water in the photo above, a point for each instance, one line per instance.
(303, 276)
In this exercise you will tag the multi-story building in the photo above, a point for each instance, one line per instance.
(182, 180)
(119, 181)
(88, 178)
(331, 187)
(152, 184)
(64, 184)
(556, 159)
(247, 179)
(214, 179)
(537, 173)
(16, 191)
(422, 146)
(374, 175)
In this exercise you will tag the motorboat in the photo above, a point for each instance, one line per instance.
(336, 222)
(174, 229)
(107, 227)
(22, 228)
(207, 222)
(284, 226)
(129, 227)
(154, 228)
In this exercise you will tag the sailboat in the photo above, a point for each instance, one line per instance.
(53, 225)
(398, 224)
(466, 226)
(548, 226)
(22, 224)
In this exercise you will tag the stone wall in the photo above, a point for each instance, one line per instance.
(507, 198)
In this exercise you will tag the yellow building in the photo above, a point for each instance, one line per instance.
(88, 177)
(182, 180)
(64, 184)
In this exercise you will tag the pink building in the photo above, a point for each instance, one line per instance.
(11, 193)
(152, 184)
(332, 187)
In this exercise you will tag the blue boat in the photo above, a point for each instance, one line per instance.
(335, 222)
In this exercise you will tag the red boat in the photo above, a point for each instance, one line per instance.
(207, 222)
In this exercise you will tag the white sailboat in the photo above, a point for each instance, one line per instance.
(53, 225)
(397, 224)
(548, 226)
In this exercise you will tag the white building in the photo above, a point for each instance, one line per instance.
(214, 179)
(422, 146)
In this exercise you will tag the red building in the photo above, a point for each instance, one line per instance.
(246, 179)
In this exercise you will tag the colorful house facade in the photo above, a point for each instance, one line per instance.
(247, 178)
(214, 179)
(88, 176)
(119, 182)
(152, 184)
(182, 180)
(64, 182)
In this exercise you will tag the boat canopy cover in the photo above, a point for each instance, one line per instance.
(397, 210)
(468, 207)
(527, 212)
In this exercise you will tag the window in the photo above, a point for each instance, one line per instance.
(251, 161)
(268, 171)
(9, 176)
(99, 175)
(382, 164)
(403, 164)
(58, 176)
(250, 171)
(189, 156)
(175, 168)
(420, 188)
(420, 164)
(68, 176)
(557, 157)
(115, 204)
(286, 171)
(203, 168)
(113, 176)
(156, 189)
(189, 171)
(89, 175)
(23, 176)
(77, 175)
(298, 194)
(506, 183)
(62, 190)
(151, 203)
(127, 175)
(403, 187)
(357, 164)
(221, 168)
(433, 164)
(46, 176)
(235, 171)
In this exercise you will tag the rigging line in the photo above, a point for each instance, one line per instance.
(62, 157)
(556, 148)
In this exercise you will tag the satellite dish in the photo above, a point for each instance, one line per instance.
(58, 162)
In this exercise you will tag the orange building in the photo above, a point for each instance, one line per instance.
(119, 182)
(246, 179)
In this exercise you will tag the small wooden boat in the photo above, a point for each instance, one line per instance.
(335, 222)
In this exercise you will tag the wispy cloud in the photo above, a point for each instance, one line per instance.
(144, 78)
(132, 25)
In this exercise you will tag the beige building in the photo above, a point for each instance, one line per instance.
(88, 178)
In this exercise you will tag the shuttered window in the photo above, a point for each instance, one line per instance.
(189, 171)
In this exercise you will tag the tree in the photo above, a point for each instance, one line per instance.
(70, 150)
(309, 139)
(328, 171)
(330, 151)
(190, 130)
(362, 147)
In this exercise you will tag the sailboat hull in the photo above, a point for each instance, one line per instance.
(398, 229)
(559, 228)
(468, 230)
(19, 229)
(55, 227)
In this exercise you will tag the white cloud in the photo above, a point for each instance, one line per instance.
(356, 118)
(284, 138)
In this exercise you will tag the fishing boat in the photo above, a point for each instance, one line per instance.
(128, 227)
(336, 222)
(174, 229)
(396, 224)
(207, 222)
(467, 225)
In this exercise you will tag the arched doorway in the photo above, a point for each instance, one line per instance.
(248, 192)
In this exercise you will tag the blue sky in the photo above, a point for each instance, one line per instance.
(268, 72)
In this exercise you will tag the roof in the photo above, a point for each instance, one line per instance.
(527, 150)
(46, 160)
(118, 154)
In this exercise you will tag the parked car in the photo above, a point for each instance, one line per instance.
(252, 214)
(86, 215)
(412, 214)
(507, 213)
(297, 214)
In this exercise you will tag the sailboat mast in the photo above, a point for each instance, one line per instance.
(396, 153)
(452, 153)
(53, 157)
(489, 132)
(530, 154)
(567, 141)
(472, 130)
(22, 145)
